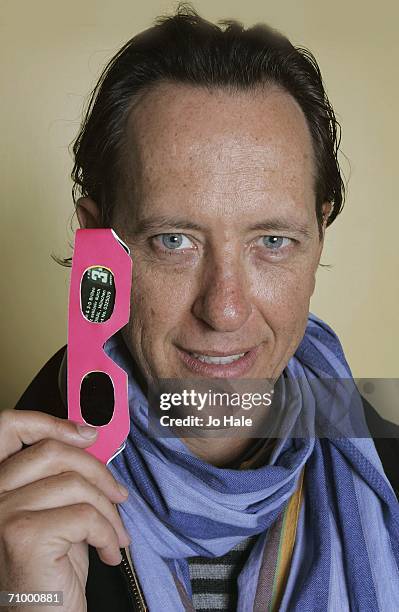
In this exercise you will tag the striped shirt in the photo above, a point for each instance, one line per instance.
(214, 579)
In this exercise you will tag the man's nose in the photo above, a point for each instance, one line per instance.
(224, 300)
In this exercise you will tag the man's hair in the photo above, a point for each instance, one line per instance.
(185, 48)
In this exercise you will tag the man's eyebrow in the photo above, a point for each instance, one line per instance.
(156, 223)
(282, 225)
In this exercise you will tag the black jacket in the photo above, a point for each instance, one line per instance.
(116, 587)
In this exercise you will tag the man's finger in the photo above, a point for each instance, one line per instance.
(50, 458)
(19, 427)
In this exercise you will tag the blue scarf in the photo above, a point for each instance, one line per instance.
(346, 553)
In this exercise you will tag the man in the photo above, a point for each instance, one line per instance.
(212, 152)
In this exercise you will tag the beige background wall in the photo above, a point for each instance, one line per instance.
(51, 54)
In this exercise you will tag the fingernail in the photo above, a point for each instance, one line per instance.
(87, 431)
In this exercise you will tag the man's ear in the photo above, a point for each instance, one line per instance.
(327, 209)
(88, 213)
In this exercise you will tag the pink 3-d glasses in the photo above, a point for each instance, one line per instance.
(99, 305)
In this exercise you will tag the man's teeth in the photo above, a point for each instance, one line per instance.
(217, 360)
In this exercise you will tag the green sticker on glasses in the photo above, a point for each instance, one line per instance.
(97, 294)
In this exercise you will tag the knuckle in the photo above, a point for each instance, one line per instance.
(6, 416)
(60, 426)
(87, 512)
(17, 529)
(74, 479)
(97, 522)
(50, 449)
(108, 534)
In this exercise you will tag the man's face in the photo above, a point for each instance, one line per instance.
(218, 210)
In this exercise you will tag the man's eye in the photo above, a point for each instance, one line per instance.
(173, 242)
(275, 243)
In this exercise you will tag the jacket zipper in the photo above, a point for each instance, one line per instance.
(133, 583)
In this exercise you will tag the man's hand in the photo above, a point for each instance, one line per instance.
(55, 499)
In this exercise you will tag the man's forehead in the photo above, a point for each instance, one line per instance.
(175, 119)
(192, 148)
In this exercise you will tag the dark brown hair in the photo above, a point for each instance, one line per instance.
(186, 48)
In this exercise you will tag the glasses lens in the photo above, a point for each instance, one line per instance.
(97, 294)
(97, 398)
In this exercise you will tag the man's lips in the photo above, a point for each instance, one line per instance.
(236, 369)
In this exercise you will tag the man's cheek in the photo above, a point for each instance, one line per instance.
(147, 288)
(284, 291)
(161, 302)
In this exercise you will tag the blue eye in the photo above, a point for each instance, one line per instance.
(173, 241)
(274, 243)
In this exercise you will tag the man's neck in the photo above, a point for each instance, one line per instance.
(220, 452)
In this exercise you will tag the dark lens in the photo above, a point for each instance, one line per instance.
(97, 398)
(97, 293)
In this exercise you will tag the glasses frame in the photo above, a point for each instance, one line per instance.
(86, 339)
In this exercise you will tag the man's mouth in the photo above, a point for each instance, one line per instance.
(219, 364)
(210, 359)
